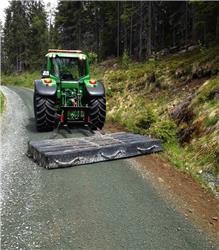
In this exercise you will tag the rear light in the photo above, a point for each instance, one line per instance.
(92, 81)
(47, 80)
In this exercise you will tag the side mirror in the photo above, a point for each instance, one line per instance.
(45, 74)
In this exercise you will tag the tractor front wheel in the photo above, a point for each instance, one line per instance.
(97, 112)
(44, 110)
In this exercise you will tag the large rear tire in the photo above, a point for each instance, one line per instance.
(97, 112)
(44, 110)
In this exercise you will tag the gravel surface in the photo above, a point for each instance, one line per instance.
(99, 206)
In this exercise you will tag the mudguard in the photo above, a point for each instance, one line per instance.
(96, 90)
(43, 89)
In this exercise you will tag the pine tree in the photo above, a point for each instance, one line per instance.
(109, 28)
(15, 37)
(38, 34)
(25, 36)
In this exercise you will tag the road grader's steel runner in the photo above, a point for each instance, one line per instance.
(78, 151)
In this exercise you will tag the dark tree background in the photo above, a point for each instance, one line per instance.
(25, 36)
(139, 28)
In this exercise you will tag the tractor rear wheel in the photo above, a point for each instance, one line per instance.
(97, 112)
(44, 110)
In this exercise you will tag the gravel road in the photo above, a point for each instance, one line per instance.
(100, 206)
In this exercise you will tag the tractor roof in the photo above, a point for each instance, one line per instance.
(66, 53)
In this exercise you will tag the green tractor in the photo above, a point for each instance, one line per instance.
(66, 94)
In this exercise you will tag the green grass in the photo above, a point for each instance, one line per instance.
(212, 121)
(2, 102)
(205, 91)
(143, 107)
(25, 79)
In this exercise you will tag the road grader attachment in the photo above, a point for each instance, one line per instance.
(56, 153)
(67, 95)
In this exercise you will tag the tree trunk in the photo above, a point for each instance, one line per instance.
(79, 33)
(149, 42)
(131, 30)
(118, 28)
(140, 33)
(186, 23)
(217, 27)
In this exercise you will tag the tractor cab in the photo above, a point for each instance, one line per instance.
(67, 65)
(66, 95)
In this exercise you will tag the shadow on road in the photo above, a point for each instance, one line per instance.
(72, 131)
(31, 127)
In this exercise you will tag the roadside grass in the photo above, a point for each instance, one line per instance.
(96, 71)
(2, 102)
(24, 79)
(141, 97)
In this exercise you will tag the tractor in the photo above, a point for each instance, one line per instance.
(66, 94)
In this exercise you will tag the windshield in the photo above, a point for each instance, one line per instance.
(69, 68)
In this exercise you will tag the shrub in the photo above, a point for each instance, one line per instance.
(92, 57)
(125, 60)
(164, 130)
(146, 118)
